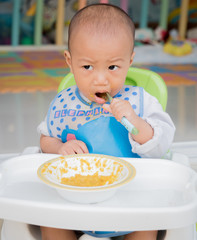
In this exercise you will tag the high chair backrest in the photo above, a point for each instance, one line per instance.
(147, 79)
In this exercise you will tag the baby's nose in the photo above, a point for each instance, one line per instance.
(101, 79)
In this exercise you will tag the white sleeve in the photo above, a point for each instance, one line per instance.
(162, 125)
(42, 128)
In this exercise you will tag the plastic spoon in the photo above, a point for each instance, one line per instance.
(129, 126)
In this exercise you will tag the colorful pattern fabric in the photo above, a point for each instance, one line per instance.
(31, 71)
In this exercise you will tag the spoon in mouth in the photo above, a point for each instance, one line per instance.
(102, 95)
(129, 126)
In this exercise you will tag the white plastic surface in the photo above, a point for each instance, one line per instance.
(189, 149)
(163, 195)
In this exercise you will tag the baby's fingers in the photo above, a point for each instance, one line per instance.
(82, 148)
(107, 107)
(68, 151)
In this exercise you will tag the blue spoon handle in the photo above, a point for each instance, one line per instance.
(129, 126)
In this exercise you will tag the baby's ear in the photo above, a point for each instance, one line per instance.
(68, 59)
(132, 57)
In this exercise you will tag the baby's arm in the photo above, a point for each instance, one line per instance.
(122, 108)
(156, 129)
(54, 145)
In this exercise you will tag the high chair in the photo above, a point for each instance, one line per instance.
(179, 220)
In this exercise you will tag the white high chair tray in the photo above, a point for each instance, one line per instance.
(163, 195)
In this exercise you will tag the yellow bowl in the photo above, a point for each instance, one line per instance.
(86, 178)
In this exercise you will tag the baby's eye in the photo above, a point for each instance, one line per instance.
(113, 67)
(88, 67)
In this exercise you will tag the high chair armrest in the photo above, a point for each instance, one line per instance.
(181, 158)
(31, 150)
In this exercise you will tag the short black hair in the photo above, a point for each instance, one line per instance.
(102, 17)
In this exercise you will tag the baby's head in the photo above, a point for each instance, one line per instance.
(100, 49)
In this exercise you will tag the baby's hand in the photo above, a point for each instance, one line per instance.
(73, 147)
(121, 108)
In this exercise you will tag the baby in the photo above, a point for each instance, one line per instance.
(79, 120)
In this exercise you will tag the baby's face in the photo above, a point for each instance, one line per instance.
(99, 63)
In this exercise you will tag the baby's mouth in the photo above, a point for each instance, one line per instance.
(101, 97)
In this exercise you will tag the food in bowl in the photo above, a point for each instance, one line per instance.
(84, 172)
(86, 178)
